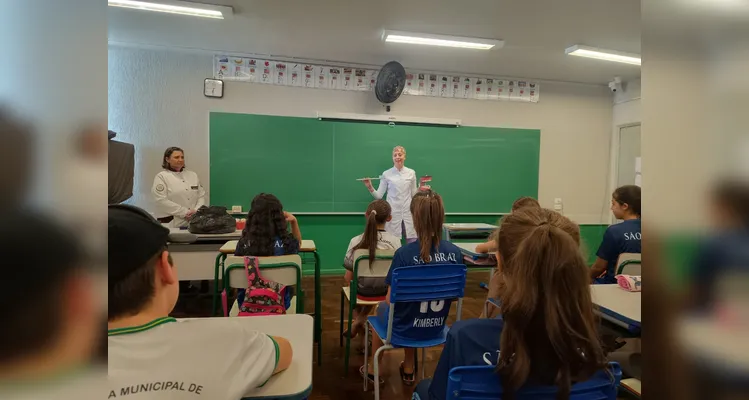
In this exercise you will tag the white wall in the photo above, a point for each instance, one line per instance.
(156, 101)
(627, 111)
(627, 105)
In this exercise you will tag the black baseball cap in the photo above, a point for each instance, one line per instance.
(135, 237)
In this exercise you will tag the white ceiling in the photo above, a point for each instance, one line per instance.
(536, 32)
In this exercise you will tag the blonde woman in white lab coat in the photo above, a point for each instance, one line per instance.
(400, 184)
(177, 192)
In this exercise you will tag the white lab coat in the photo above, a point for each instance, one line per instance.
(176, 193)
(400, 187)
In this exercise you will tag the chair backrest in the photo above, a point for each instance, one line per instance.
(286, 270)
(426, 283)
(482, 383)
(629, 264)
(378, 269)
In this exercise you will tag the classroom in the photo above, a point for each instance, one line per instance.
(339, 117)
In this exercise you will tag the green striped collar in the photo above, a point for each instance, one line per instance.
(140, 328)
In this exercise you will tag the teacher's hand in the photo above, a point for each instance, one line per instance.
(368, 184)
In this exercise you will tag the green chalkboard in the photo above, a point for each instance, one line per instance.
(312, 165)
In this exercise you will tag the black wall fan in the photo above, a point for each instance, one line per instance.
(390, 82)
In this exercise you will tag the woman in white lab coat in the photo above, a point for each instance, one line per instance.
(400, 185)
(177, 192)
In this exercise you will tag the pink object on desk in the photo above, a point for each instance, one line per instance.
(630, 283)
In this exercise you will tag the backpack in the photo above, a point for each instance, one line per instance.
(262, 297)
(213, 219)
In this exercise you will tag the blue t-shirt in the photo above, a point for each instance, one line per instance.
(469, 342)
(243, 247)
(418, 321)
(619, 238)
(722, 254)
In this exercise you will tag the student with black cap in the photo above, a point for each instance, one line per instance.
(150, 352)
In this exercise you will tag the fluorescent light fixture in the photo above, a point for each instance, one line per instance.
(177, 7)
(440, 40)
(603, 54)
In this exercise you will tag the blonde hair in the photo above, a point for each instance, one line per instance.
(403, 149)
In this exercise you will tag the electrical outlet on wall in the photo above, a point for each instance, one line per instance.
(558, 206)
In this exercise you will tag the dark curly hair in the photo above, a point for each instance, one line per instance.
(266, 223)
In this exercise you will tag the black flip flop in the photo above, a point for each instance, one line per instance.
(408, 379)
(370, 377)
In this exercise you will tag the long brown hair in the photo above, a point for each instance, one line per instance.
(378, 212)
(550, 331)
(429, 214)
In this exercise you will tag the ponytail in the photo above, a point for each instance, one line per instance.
(550, 332)
(370, 235)
(378, 213)
(428, 214)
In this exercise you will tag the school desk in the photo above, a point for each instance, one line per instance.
(720, 348)
(296, 381)
(307, 246)
(618, 306)
(467, 230)
(195, 259)
(476, 259)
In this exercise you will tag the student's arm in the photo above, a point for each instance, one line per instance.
(159, 191)
(606, 251)
(284, 353)
(295, 231)
(488, 247)
(598, 268)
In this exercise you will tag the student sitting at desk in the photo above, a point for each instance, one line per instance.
(266, 232)
(722, 260)
(547, 332)
(495, 284)
(491, 245)
(156, 356)
(429, 248)
(374, 237)
(624, 237)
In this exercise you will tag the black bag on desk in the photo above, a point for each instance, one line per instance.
(213, 219)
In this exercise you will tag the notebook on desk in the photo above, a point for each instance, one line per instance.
(469, 250)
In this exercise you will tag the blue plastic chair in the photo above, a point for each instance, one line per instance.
(421, 283)
(482, 383)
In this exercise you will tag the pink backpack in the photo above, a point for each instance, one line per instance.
(262, 297)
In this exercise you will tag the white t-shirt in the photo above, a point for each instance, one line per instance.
(385, 241)
(216, 359)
